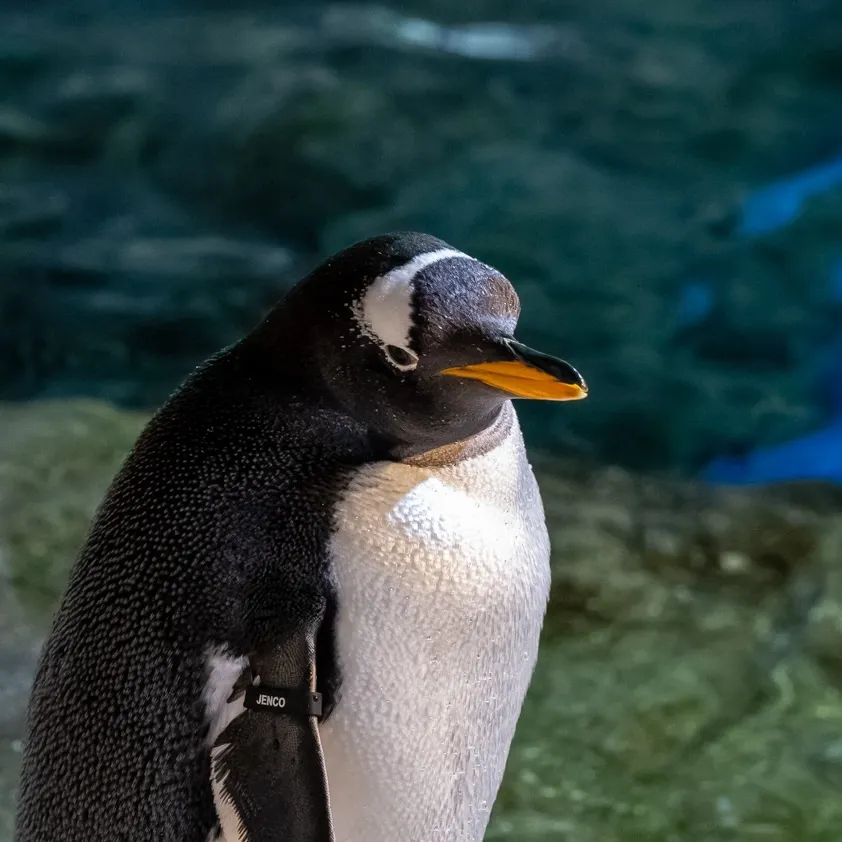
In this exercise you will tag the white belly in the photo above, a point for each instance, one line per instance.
(443, 577)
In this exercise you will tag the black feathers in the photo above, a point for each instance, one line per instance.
(214, 534)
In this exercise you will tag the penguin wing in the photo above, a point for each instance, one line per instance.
(267, 767)
(269, 782)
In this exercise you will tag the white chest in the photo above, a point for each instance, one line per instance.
(442, 577)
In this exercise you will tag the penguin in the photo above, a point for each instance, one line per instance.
(309, 605)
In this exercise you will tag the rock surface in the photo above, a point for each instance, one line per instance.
(690, 681)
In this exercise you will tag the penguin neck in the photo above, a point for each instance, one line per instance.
(472, 446)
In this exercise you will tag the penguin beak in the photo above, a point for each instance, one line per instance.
(527, 374)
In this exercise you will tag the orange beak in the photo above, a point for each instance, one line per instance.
(530, 375)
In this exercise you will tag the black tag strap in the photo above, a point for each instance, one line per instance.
(282, 701)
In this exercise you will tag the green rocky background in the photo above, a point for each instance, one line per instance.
(167, 169)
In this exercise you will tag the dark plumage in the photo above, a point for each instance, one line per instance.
(183, 555)
(214, 536)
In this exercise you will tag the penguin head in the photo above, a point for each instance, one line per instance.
(415, 340)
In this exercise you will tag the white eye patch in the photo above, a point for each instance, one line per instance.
(385, 312)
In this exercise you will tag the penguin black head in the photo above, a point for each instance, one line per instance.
(413, 339)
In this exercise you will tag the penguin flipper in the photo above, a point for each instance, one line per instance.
(267, 767)
(269, 782)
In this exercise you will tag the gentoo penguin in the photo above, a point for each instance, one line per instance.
(309, 606)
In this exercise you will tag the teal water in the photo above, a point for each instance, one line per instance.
(660, 181)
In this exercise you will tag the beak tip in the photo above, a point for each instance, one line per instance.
(578, 391)
(573, 381)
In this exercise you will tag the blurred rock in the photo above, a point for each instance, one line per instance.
(689, 684)
(56, 462)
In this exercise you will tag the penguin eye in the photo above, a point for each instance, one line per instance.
(401, 358)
